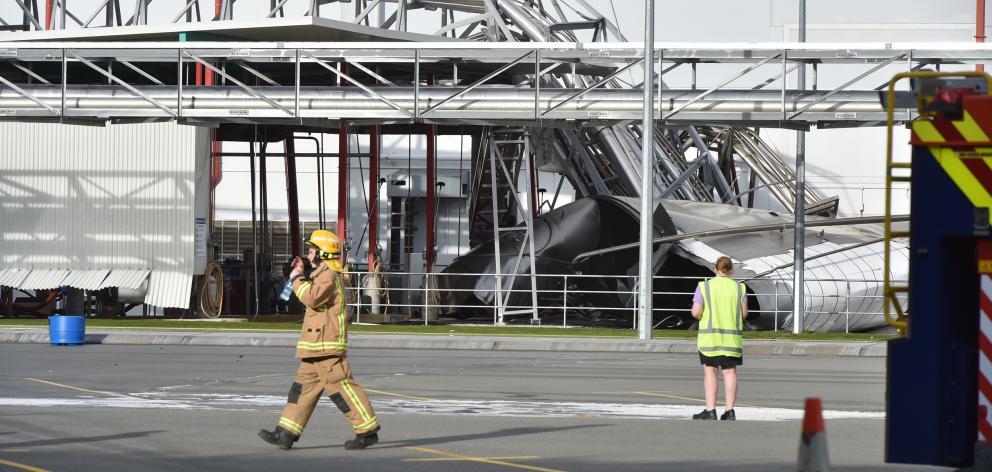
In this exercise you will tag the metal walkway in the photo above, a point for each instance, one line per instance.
(476, 83)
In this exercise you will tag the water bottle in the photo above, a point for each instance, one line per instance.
(287, 291)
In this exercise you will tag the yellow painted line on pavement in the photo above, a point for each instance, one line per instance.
(20, 466)
(480, 459)
(443, 459)
(390, 394)
(56, 384)
(698, 400)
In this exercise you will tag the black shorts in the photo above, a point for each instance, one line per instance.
(723, 362)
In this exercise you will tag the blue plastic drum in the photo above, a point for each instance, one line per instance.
(67, 330)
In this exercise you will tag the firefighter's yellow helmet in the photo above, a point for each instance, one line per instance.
(327, 243)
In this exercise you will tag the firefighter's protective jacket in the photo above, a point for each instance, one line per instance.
(325, 327)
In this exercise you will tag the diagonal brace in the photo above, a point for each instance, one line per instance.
(258, 74)
(718, 87)
(847, 84)
(131, 89)
(356, 83)
(28, 96)
(479, 82)
(597, 84)
(239, 84)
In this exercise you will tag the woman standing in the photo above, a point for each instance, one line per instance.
(720, 305)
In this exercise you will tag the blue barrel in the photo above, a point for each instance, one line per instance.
(67, 330)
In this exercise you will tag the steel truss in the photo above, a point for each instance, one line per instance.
(264, 82)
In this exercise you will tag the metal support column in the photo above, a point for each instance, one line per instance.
(497, 253)
(252, 312)
(373, 194)
(798, 279)
(644, 297)
(342, 227)
(292, 196)
(431, 197)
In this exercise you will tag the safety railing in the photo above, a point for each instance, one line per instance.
(595, 299)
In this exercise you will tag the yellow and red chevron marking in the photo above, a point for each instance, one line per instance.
(963, 149)
(971, 172)
(974, 129)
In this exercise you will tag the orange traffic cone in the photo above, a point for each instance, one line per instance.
(813, 443)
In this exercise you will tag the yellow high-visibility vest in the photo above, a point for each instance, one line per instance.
(721, 328)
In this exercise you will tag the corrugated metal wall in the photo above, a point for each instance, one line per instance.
(112, 201)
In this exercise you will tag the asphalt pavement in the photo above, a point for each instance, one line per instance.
(186, 407)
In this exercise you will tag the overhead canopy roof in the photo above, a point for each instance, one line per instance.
(304, 28)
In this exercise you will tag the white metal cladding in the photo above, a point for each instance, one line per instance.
(12, 277)
(131, 279)
(166, 288)
(98, 198)
(41, 279)
(86, 279)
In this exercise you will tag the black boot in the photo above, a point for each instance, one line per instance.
(279, 437)
(705, 415)
(363, 440)
(729, 415)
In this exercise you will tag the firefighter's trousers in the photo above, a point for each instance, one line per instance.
(331, 375)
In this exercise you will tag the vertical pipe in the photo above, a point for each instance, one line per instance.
(645, 315)
(533, 185)
(342, 227)
(320, 183)
(292, 196)
(263, 197)
(65, 82)
(431, 195)
(179, 82)
(373, 194)
(980, 27)
(49, 4)
(254, 231)
(799, 262)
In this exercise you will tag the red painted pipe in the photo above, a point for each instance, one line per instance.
(373, 194)
(980, 27)
(431, 195)
(342, 227)
(49, 5)
(292, 196)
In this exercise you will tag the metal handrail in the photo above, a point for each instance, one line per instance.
(843, 300)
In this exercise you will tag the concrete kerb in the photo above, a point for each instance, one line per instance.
(481, 343)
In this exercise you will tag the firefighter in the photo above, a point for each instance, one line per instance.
(322, 350)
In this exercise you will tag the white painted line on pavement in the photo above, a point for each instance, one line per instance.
(187, 401)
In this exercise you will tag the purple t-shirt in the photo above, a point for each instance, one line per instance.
(698, 297)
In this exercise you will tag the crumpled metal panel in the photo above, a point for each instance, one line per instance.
(169, 289)
(843, 291)
(131, 279)
(86, 279)
(40, 279)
